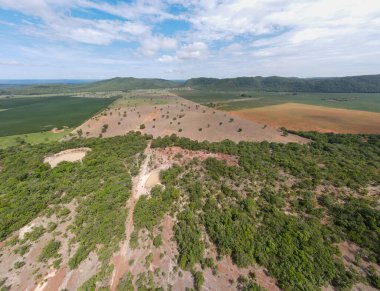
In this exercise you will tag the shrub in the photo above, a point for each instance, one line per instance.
(104, 128)
(49, 251)
(157, 241)
(19, 264)
(198, 280)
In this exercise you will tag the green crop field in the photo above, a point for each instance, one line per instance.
(235, 100)
(32, 138)
(28, 115)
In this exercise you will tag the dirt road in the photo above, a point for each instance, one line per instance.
(120, 259)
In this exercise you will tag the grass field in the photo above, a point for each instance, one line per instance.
(139, 98)
(28, 115)
(231, 101)
(303, 117)
(32, 138)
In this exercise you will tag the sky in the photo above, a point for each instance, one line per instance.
(181, 39)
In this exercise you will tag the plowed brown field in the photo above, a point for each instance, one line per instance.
(310, 117)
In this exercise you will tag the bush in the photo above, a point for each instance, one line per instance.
(157, 241)
(198, 280)
(50, 251)
(104, 128)
(189, 241)
(19, 264)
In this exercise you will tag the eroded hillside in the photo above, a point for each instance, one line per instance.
(172, 213)
(162, 113)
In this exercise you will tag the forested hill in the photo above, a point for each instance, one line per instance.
(355, 84)
(130, 84)
(114, 84)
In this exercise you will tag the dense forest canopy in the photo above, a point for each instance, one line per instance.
(286, 207)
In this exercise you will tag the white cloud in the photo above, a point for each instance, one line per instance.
(193, 51)
(235, 37)
(196, 50)
(151, 44)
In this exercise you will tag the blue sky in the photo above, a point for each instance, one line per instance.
(178, 39)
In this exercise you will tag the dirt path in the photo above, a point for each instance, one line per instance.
(120, 259)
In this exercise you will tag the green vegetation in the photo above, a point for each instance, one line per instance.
(248, 283)
(32, 138)
(198, 280)
(126, 283)
(101, 186)
(291, 219)
(359, 221)
(50, 251)
(188, 237)
(233, 100)
(149, 212)
(129, 84)
(285, 207)
(29, 115)
(130, 99)
(369, 84)
(19, 264)
(157, 241)
(35, 234)
(114, 84)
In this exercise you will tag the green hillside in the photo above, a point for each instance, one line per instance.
(128, 84)
(114, 84)
(356, 84)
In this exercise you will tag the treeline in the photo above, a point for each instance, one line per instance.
(286, 207)
(356, 84)
(338, 159)
(101, 185)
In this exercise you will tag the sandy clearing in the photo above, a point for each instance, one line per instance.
(310, 117)
(57, 130)
(153, 179)
(71, 155)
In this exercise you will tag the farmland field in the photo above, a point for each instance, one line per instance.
(28, 115)
(33, 138)
(301, 117)
(235, 100)
(324, 112)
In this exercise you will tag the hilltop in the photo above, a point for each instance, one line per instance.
(355, 84)
(114, 84)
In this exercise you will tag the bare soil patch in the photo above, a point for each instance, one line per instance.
(153, 179)
(71, 155)
(57, 130)
(36, 275)
(177, 155)
(304, 117)
(183, 118)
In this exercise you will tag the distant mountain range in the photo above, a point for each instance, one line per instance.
(130, 84)
(354, 84)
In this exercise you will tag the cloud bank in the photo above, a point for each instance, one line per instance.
(181, 39)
